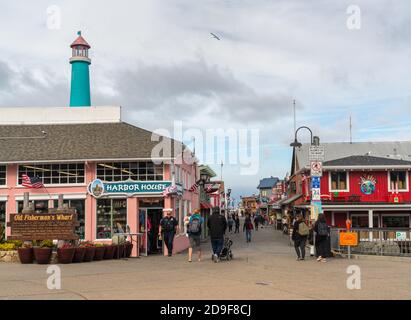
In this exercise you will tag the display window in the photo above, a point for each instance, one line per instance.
(111, 217)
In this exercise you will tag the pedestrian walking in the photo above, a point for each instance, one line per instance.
(230, 223)
(237, 224)
(248, 227)
(217, 225)
(321, 238)
(256, 221)
(194, 229)
(167, 230)
(299, 236)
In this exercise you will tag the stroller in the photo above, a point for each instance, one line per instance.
(226, 253)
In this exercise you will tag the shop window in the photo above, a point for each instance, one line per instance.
(40, 206)
(111, 215)
(79, 205)
(361, 221)
(396, 221)
(339, 181)
(3, 175)
(72, 173)
(398, 180)
(2, 219)
(122, 171)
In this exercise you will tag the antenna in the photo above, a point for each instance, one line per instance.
(350, 130)
(295, 119)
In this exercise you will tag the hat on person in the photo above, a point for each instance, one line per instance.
(196, 211)
(167, 209)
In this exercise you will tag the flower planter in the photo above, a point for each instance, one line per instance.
(109, 253)
(26, 255)
(42, 255)
(79, 254)
(65, 255)
(119, 252)
(99, 254)
(89, 254)
(129, 249)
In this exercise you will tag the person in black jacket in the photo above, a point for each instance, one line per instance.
(217, 225)
(321, 238)
(299, 240)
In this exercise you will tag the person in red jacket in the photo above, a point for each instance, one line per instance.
(248, 227)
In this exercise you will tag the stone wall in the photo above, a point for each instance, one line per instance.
(9, 256)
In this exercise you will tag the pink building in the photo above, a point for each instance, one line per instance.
(73, 150)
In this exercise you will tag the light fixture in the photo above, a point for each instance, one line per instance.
(107, 166)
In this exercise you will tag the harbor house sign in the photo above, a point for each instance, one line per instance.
(98, 188)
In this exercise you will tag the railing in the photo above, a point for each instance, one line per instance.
(376, 241)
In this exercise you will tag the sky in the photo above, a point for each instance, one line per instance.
(158, 61)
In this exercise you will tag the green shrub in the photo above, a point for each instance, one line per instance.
(46, 244)
(7, 246)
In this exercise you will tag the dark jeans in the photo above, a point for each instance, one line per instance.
(230, 227)
(217, 245)
(299, 246)
(248, 235)
(237, 229)
(321, 246)
(168, 241)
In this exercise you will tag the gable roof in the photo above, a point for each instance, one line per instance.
(400, 150)
(364, 161)
(268, 183)
(86, 141)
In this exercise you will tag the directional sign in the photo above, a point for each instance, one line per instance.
(316, 153)
(315, 182)
(316, 169)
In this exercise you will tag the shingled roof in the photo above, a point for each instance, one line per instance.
(91, 141)
(366, 161)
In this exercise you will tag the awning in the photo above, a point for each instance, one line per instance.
(289, 200)
(205, 205)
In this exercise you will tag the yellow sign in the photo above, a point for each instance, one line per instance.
(349, 239)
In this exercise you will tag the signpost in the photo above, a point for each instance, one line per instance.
(34, 226)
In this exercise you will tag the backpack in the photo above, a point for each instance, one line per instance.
(194, 226)
(303, 229)
(322, 229)
(168, 224)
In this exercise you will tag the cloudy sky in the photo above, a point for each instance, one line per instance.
(158, 61)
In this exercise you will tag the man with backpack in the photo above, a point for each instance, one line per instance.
(167, 230)
(299, 236)
(194, 229)
(217, 225)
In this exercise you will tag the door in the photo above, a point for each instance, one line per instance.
(154, 216)
(142, 228)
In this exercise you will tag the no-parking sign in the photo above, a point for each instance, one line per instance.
(316, 169)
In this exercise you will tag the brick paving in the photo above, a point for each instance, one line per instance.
(264, 269)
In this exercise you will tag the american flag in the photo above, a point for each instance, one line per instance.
(34, 182)
(194, 187)
(169, 190)
(209, 188)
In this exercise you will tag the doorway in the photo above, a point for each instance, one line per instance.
(150, 222)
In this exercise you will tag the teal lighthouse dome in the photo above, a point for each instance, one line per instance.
(80, 76)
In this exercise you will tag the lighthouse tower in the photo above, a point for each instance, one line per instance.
(80, 78)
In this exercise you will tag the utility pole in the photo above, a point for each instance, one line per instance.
(350, 130)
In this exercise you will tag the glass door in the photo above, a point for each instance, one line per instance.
(142, 228)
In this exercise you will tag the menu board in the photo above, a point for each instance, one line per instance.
(42, 226)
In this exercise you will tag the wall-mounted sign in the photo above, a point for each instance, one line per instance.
(367, 184)
(35, 226)
(98, 188)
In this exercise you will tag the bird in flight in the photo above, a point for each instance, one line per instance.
(214, 36)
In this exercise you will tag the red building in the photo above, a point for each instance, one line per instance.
(372, 189)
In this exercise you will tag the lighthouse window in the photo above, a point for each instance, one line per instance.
(398, 181)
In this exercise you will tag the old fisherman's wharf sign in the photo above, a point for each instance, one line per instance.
(98, 188)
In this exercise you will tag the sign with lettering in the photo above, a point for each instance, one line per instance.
(42, 226)
(348, 239)
(316, 153)
(98, 188)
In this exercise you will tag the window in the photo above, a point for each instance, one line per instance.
(79, 205)
(40, 206)
(339, 181)
(2, 220)
(122, 171)
(398, 180)
(110, 214)
(2, 175)
(67, 173)
(396, 221)
(361, 221)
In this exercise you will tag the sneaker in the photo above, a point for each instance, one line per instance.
(302, 259)
(298, 258)
(319, 258)
(323, 260)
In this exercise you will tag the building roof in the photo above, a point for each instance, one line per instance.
(207, 170)
(364, 161)
(65, 142)
(80, 41)
(400, 150)
(268, 183)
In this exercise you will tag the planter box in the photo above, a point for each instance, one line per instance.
(109, 253)
(42, 255)
(99, 253)
(26, 255)
(79, 254)
(65, 255)
(89, 254)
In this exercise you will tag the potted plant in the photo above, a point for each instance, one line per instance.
(109, 252)
(42, 253)
(90, 251)
(129, 249)
(65, 253)
(119, 251)
(26, 253)
(79, 253)
(99, 254)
